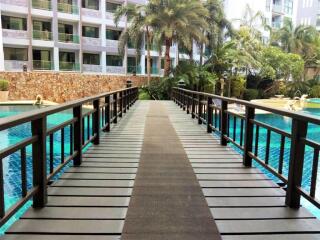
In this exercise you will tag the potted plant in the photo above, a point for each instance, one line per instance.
(4, 90)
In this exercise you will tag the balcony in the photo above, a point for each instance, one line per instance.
(91, 68)
(42, 35)
(14, 65)
(91, 13)
(69, 66)
(10, 33)
(276, 25)
(68, 8)
(42, 65)
(20, 3)
(115, 69)
(68, 38)
(134, 69)
(277, 8)
(91, 41)
(41, 4)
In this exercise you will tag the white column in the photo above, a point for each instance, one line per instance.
(56, 58)
(142, 64)
(104, 61)
(1, 48)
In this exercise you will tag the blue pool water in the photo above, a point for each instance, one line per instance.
(313, 100)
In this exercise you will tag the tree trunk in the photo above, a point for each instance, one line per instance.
(148, 56)
(167, 62)
(201, 54)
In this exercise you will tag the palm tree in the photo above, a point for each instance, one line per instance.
(139, 28)
(179, 21)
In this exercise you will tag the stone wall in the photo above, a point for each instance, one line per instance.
(61, 87)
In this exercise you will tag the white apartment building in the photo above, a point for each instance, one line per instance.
(308, 13)
(70, 35)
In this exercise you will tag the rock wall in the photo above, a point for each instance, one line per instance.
(61, 87)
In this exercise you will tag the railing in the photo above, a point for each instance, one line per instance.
(68, 8)
(244, 130)
(41, 4)
(134, 69)
(69, 66)
(104, 110)
(65, 37)
(42, 35)
(42, 65)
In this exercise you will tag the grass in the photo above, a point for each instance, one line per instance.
(144, 95)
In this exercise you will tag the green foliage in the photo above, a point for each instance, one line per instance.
(237, 86)
(160, 89)
(4, 85)
(315, 91)
(250, 94)
(143, 94)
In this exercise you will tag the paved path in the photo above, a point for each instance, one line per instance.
(159, 175)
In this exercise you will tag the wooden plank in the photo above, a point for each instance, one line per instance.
(76, 213)
(259, 213)
(113, 155)
(114, 160)
(233, 184)
(60, 237)
(245, 201)
(273, 237)
(84, 191)
(43, 226)
(92, 183)
(108, 164)
(101, 170)
(74, 201)
(231, 177)
(106, 176)
(274, 226)
(227, 170)
(272, 192)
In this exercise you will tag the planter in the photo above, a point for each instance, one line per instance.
(4, 96)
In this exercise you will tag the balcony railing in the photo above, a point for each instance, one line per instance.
(277, 8)
(69, 38)
(11, 33)
(91, 68)
(42, 65)
(20, 3)
(91, 13)
(154, 70)
(91, 41)
(276, 24)
(134, 69)
(41, 4)
(42, 35)
(68, 8)
(14, 65)
(69, 66)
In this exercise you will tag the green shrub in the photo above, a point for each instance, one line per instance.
(315, 91)
(4, 85)
(144, 95)
(250, 94)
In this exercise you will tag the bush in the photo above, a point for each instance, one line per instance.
(144, 95)
(4, 85)
(315, 91)
(250, 94)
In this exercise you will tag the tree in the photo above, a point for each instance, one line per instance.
(139, 28)
(179, 21)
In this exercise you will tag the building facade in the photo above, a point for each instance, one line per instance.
(308, 13)
(70, 35)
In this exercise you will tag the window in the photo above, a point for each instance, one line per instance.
(91, 4)
(268, 5)
(67, 57)
(17, 54)
(113, 34)
(14, 23)
(92, 32)
(41, 55)
(41, 26)
(113, 60)
(65, 28)
(91, 59)
(112, 7)
(288, 7)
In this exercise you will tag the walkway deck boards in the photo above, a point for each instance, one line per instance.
(138, 176)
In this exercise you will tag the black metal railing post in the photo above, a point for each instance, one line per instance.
(107, 113)
(199, 108)
(188, 102)
(223, 122)
(77, 135)
(115, 108)
(96, 121)
(183, 100)
(209, 114)
(248, 136)
(121, 103)
(298, 133)
(193, 106)
(125, 102)
(39, 161)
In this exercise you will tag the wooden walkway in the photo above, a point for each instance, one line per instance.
(91, 201)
